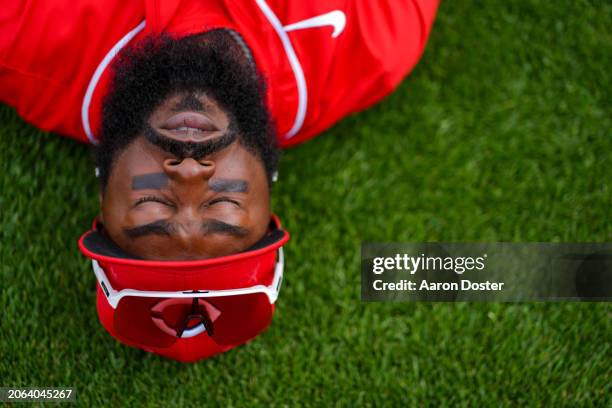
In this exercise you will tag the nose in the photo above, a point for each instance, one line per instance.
(189, 169)
(189, 183)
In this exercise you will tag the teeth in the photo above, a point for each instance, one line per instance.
(188, 128)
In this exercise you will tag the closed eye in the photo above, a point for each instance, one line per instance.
(223, 199)
(153, 199)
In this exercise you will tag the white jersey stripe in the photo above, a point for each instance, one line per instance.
(96, 77)
(295, 67)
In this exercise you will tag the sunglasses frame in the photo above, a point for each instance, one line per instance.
(114, 297)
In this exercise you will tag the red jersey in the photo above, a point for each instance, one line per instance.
(321, 60)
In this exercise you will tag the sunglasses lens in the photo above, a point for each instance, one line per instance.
(242, 317)
(137, 319)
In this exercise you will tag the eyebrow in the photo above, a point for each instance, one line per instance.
(159, 227)
(165, 228)
(213, 226)
(149, 181)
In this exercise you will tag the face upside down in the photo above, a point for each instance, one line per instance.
(187, 149)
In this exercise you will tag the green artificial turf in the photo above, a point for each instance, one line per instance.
(501, 133)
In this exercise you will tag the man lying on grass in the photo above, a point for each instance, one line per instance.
(188, 102)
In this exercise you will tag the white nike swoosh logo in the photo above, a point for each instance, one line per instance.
(335, 18)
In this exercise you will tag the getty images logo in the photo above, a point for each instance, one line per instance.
(413, 264)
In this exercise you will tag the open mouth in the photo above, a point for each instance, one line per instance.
(189, 125)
